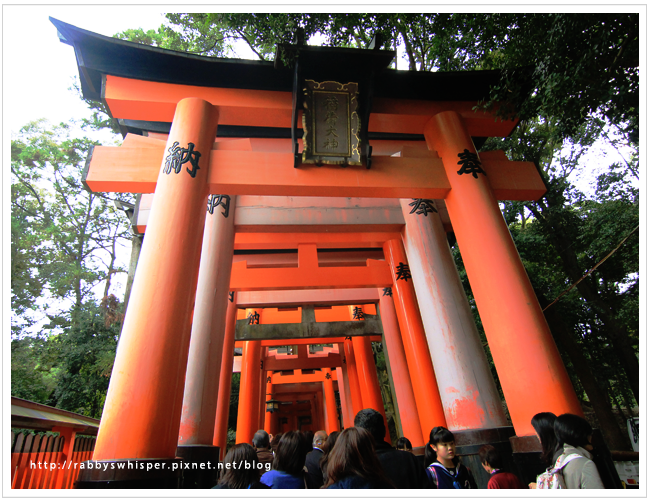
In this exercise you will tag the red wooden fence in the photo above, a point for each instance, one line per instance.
(28, 450)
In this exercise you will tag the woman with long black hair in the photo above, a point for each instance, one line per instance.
(238, 476)
(327, 449)
(543, 424)
(289, 463)
(353, 463)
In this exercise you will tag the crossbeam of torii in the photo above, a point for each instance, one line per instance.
(422, 175)
(203, 96)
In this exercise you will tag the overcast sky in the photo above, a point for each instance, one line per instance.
(38, 69)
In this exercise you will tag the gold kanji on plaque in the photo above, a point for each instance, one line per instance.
(331, 123)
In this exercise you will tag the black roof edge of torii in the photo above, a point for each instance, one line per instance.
(99, 55)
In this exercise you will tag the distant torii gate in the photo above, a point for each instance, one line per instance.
(202, 98)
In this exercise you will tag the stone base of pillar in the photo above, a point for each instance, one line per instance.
(203, 461)
(468, 443)
(526, 452)
(130, 474)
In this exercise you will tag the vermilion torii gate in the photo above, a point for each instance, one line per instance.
(422, 128)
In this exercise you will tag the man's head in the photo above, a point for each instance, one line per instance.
(261, 439)
(372, 421)
(319, 439)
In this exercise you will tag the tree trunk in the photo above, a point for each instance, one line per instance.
(562, 241)
(609, 427)
(136, 245)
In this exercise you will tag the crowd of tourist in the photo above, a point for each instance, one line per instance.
(359, 458)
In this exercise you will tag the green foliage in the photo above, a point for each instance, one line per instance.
(32, 374)
(234, 401)
(86, 351)
(70, 370)
(63, 237)
(579, 65)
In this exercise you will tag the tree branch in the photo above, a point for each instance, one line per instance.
(241, 34)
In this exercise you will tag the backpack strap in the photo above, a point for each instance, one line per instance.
(433, 475)
(563, 460)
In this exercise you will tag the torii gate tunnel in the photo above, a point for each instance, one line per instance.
(333, 186)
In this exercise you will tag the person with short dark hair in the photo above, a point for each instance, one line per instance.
(353, 463)
(401, 467)
(312, 462)
(574, 434)
(444, 468)
(499, 478)
(404, 444)
(263, 448)
(289, 462)
(239, 477)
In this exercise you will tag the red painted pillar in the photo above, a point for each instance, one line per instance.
(268, 416)
(368, 381)
(208, 328)
(423, 378)
(262, 394)
(344, 393)
(408, 410)
(521, 344)
(465, 383)
(68, 434)
(225, 379)
(332, 421)
(353, 378)
(142, 413)
(249, 399)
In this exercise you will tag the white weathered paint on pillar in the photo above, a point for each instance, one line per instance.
(208, 328)
(469, 395)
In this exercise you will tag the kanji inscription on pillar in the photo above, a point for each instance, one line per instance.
(422, 206)
(357, 314)
(178, 156)
(470, 164)
(231, 296)
(253, 318)
(331, 123)
(216, 200)
(328, 376)
(402, 272)
(388, 292)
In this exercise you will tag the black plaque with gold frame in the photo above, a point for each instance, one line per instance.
(331, 123)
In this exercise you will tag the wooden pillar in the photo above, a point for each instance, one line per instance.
(521, 344)
(332, 416)
(268, 416)
(423, 378)
(368, 381)
(261, 396)
(208, 328)
(405, 404)
(347, 413)
(249, 399)
(142, 413)
(353, 378)
(225, 379)
(466, 386)
(68, 434)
